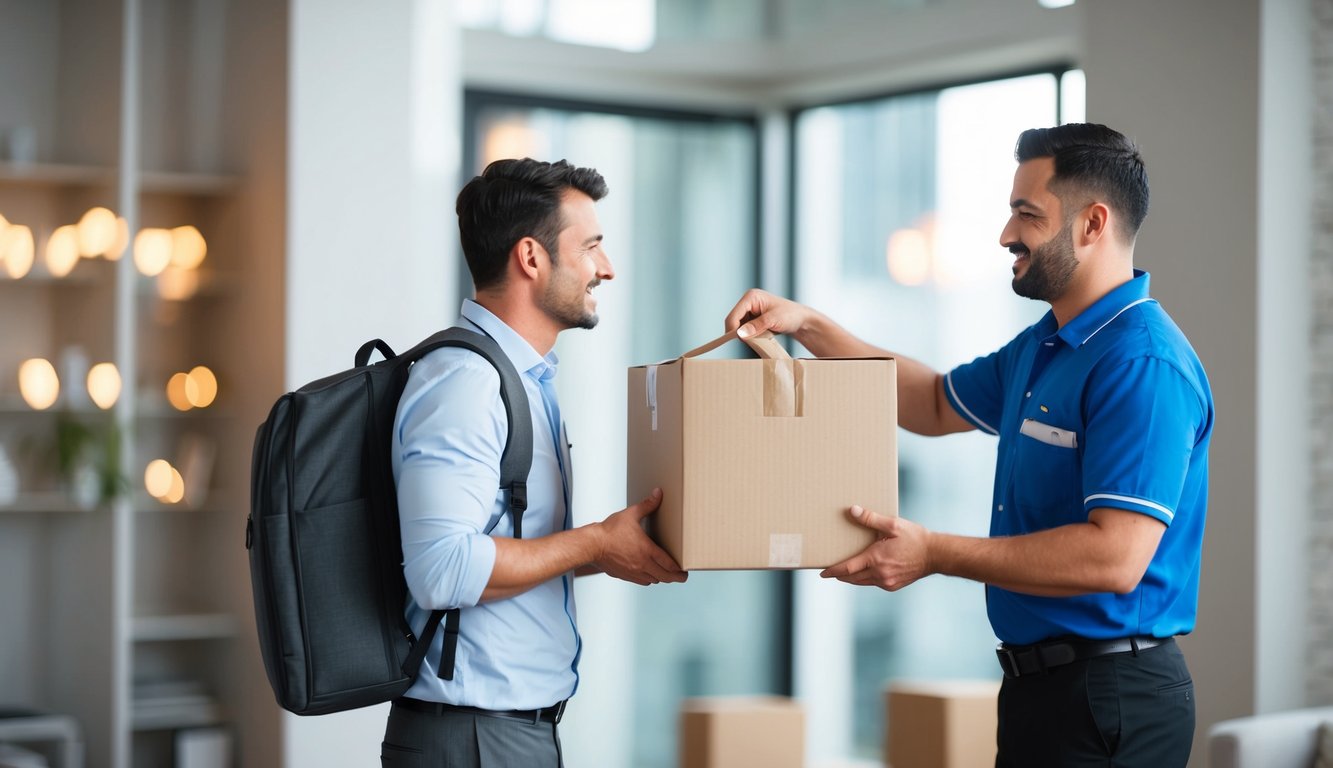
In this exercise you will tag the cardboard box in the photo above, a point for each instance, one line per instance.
(759, 460)
(942, 724)
(742, 731)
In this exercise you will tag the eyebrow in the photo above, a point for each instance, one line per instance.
(593, 240)
(1024, 203)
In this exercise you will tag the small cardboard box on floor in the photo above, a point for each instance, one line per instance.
(738, 731)
(759, 460)
(941, 723)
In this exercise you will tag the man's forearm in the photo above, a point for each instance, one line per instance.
(922, 407)
(1074, 559)
(825, 338)
(521, 564)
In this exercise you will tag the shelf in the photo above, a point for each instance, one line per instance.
(149, 406)
(174, 183)
(168, 714)
(170, 718)
(39, 278)
(43, 503)
(56, 175)
(211, 284)
(13, 405)
(183, 626)
(172, 704)
(145, 504)
(150, 182)
(156, 407)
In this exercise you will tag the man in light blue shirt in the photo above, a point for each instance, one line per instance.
(1104, 417)
(530, 234)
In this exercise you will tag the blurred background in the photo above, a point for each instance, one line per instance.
(210, 202)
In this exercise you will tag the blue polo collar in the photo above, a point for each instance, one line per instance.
(1082, 328)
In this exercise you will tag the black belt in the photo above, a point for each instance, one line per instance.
(1019, 660)
(551, 714)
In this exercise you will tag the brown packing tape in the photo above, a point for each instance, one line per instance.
(783, 387)
(783, 377)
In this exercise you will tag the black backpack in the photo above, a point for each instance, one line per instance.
(323, 534)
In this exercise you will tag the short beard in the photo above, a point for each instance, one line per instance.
(1050, 267)
(563, 302)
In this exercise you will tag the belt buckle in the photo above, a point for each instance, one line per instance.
(560, 710)
(1008, 661)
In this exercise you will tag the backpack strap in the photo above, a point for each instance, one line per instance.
(515, 463)
(516, 460)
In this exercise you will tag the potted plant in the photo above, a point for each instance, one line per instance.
(88, 458)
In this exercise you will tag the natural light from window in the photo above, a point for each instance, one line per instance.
(900, 203)
(627, 25)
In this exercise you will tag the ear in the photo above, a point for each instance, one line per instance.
(529, 257)
(1093, 224)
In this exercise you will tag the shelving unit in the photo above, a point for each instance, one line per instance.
(133, 616)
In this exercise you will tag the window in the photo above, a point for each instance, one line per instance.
(899, 205)
(680, 224)
(628, 25)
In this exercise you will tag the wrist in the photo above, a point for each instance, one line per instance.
(814, 327)
(596, 542)
(935, 545)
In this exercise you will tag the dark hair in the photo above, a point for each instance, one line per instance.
(511, 200)
(1095, 160)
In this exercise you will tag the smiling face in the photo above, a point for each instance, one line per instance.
(1039, 234)
(579, 266)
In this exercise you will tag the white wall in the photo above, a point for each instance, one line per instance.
(373, 150)
(374, 143)
(1211, 91)
(1285, 308)
(1319, 682)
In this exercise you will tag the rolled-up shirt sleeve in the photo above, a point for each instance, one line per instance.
(448, 435)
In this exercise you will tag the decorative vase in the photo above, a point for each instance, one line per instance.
(85, 486)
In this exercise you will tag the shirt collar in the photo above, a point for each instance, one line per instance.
(515, 347)
(1082, 328)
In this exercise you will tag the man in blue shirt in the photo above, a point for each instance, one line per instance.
(1104, 416)
(530, 234)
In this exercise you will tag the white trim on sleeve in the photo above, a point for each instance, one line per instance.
(948, 379)
(1170, 515)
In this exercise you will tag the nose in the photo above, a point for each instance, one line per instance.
(604, 269)
(1008, 235)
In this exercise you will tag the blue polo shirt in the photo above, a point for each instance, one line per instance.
(1112, 410)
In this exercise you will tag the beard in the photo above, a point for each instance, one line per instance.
(565, 301)
(1050, 267)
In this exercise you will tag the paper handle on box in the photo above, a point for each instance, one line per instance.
(764, 344)
(783, 376)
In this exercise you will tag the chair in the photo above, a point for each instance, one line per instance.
(60, 730)
(1275, 740)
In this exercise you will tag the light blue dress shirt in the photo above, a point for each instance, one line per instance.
(1112, 410)
(449, 434)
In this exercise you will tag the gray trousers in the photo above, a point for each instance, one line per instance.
(460, 740)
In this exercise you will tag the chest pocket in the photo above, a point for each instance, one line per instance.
(1048, 473)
